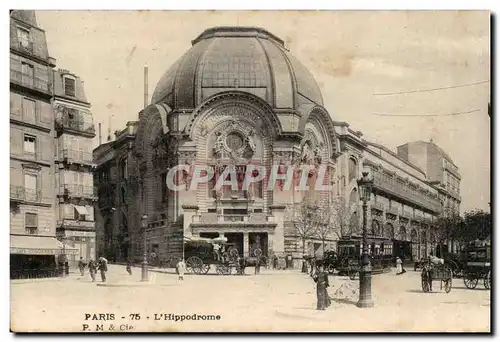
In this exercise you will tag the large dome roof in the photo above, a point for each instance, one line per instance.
(245, 58)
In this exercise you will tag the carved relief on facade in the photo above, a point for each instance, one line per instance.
(235, 141)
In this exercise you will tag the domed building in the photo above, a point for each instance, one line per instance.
(238, 103)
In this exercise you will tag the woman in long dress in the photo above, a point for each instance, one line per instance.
(399, 266)
(321, 279)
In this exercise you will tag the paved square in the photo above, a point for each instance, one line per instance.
(272, 301)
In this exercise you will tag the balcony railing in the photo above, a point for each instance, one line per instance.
(29, 81)
(22, 194)
(398, 188)
(215, 218)
(68, 223)
(76, 124)
(26, 47)
(393, 211)
(377, 205)
(76, 190)
(77, 156)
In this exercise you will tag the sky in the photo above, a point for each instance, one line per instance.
(353, 55)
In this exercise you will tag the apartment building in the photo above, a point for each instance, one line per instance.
(74, 129)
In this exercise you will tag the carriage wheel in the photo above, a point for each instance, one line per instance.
(447, 285)
(219, 269)
(194, 263)
(205, 268)
(227, 270)
(487, 281)
(425, 285)
(331, 269)
(470, 280)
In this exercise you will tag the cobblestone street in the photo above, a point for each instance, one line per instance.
(273, 301)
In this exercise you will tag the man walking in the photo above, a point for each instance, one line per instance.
(129, 267)
(92, 269)
(257, 266)
(81, 266)
(181, 269)
(103, 267)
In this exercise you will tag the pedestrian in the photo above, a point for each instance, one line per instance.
(66, 267)
(129, 267)
(275, 261)
(321, 280)
(92, 269)
(399, 266)
(181, 269)
(242, 265)
(257, 265)
(81, 266)
(103, 267)
(288, 261)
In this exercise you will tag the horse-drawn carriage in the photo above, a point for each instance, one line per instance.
(201, 253)
(349, 255)
(478, 266)
(431, 272)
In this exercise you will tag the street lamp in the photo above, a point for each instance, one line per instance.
(365, 275)
(144, 273)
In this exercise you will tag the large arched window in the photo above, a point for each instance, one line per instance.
(354, 224)
(389, 230)
(376, 228)
(353, 169)
(423, 237)
(402, 233)
(413, 235)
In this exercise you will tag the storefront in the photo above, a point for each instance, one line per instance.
(35, 256)
(83, 244)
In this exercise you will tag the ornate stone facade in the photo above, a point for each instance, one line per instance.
(260, 118)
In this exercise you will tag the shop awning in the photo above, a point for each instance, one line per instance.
(38, 245)
(81, 210)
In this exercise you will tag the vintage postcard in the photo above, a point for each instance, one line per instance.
(250, 171)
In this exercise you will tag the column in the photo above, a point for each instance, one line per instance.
(279, 232)
(189, 212)
(246, 245)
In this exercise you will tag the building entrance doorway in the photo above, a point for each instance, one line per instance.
(237, 240)
(258, 241)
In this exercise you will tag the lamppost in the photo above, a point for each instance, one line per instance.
(365, 276)
(144, 273)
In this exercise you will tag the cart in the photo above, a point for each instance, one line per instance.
(432, 272)
(478, 266)
(200, 254)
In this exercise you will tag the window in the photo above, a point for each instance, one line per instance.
(123, 195)
(23, 36)
(28, 70)
(257, 210)
(29, 144)
(69, 86)
(30, 181)
(31, 223)
(164, 188)
(212, 210)
(353, 170)
(29, 109)
(123, 167)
